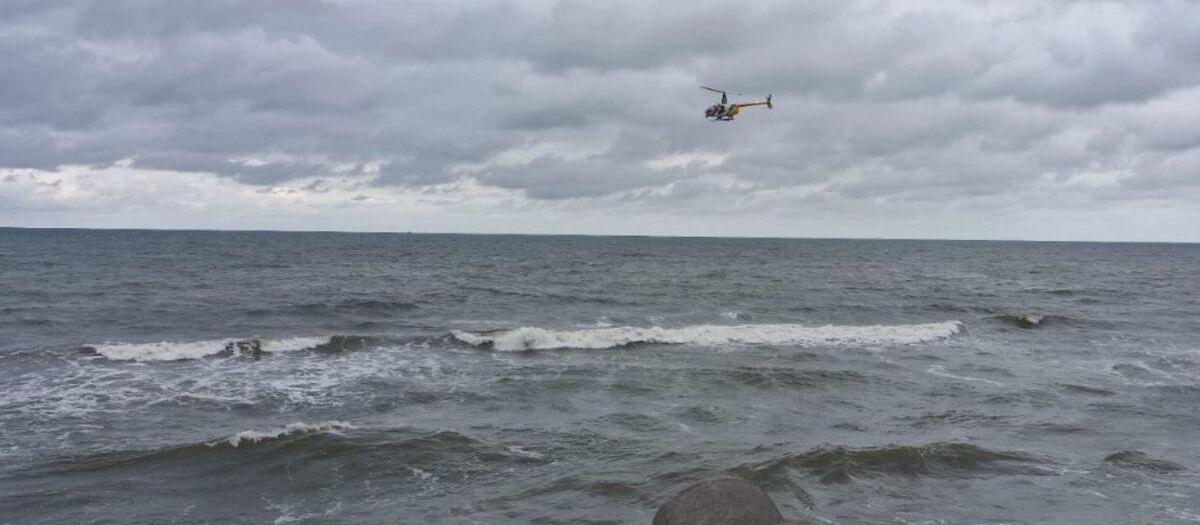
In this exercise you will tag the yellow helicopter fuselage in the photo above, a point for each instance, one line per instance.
(719, 112)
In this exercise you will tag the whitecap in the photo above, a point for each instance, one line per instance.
(160, 351)
(533, 338)
(518, 451)
(178, 350)
(292, 344)
(255, 436)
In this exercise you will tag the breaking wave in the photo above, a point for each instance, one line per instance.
(174, 351)
(531, 338)
(1030, 321)
(255, 436)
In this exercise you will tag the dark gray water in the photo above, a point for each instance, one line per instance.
(510, 379)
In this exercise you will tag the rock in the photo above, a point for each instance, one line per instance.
(723, 500)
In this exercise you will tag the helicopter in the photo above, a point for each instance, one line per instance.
(718, 112)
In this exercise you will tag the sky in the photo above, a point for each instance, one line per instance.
(1013, 119)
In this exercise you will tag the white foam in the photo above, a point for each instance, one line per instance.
(531, 338)
(255, 436)
(177, 350)
(526, 453)
(288, 514)
(159, 351)
(940, 371)
(292, 344)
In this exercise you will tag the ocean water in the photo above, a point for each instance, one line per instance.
(394, 378)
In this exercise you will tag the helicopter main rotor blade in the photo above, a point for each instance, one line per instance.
(724, 99)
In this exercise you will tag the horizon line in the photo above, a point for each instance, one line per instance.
(618, 235)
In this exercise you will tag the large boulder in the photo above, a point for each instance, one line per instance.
(723, 500)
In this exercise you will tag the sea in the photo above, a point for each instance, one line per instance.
(272, 377)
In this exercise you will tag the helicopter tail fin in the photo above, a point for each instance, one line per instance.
(769, 106)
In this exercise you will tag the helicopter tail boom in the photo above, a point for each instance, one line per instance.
(766, 103)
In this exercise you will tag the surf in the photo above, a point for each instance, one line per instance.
(181, 350)
(534, 338)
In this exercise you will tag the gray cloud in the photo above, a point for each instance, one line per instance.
(568, 99)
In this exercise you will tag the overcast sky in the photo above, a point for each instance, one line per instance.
(1009, 119)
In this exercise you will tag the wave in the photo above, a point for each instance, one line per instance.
(953, 418)
(940, 371)
(348, 343)
(1031, 321)
(376, 308)
(843, 464)
(737, 315)
(361, 305)
(1139, 459)
(425, 454)
(255, 436)
(175, 351)
(1085, 389)
(573, 298)
(280, 442)
(532, 338)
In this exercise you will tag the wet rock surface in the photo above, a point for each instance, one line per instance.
(723, 500)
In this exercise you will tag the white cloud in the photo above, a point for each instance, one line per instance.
(914, 119)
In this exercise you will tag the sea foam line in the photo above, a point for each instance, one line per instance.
(176, 350)
(940, 371)
(250, 437)
(532, 338)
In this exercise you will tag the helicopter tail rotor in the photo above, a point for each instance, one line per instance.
(769, 106)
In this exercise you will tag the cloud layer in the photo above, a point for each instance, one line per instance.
(963, 119)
